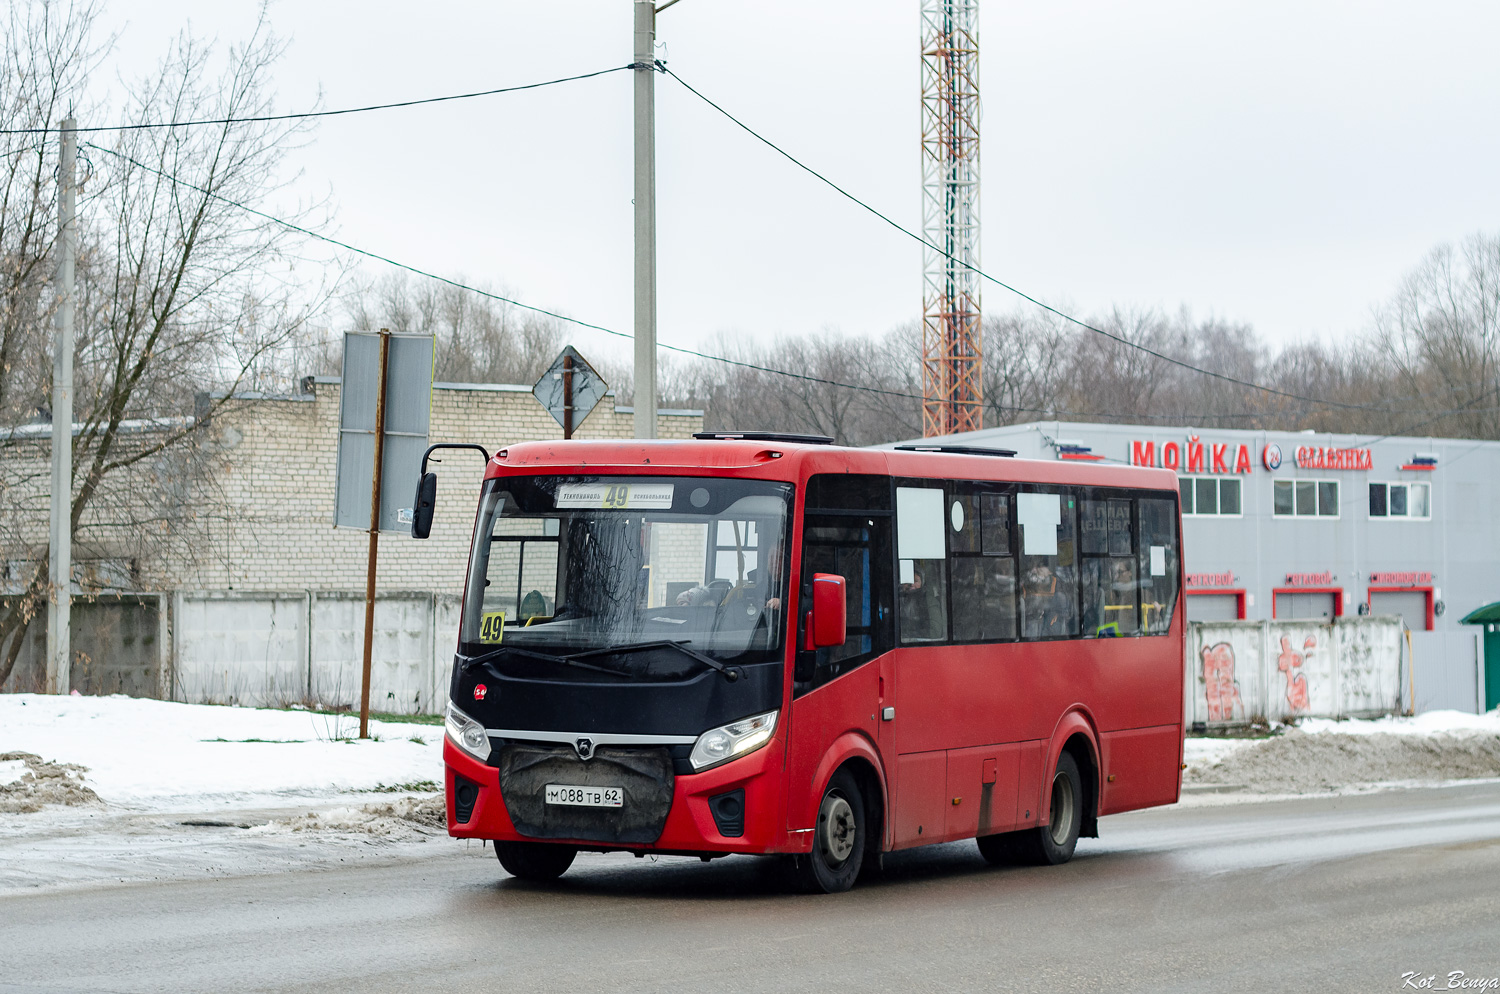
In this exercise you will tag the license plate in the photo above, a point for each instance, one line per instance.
(587, 797)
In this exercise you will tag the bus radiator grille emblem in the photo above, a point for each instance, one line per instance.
(585, 747)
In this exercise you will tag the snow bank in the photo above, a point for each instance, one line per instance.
(1322, 755)
(162, 756)
(1427, 723)
(1201, 753)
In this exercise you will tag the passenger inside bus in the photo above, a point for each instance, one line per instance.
(923, 604)
(1044, 607)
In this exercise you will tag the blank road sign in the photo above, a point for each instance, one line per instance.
(408, 402)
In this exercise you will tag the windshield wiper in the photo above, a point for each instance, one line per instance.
(730, 673)
(570, 660)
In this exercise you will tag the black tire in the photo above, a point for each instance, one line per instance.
(1050, 844)
(538, 862)
(1005, 849)
(838, 838)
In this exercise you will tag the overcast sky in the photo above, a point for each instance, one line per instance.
(1276, 163)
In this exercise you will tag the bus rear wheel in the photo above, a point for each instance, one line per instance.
(838, 839)
(1050, 844)
(538, 862)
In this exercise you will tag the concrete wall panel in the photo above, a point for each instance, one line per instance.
(1243, 671)
(241, 650)
(400, 660)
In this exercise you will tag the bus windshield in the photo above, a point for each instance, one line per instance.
(564, 565)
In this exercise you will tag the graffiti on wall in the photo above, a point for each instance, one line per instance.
(1219, 683)
(1290, 663)
(1276, 670)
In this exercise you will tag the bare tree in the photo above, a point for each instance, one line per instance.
(477, 339)
(179, 289)
(47, 54)
(1440, 333)
(855, 390)
(1025, 364)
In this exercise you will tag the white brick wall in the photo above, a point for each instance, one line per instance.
(278, 488)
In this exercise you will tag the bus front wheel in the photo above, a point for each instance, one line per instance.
(1054, 842)
(537, 862)
(838, 840)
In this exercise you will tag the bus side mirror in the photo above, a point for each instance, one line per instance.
(829, 622)
(421, 518)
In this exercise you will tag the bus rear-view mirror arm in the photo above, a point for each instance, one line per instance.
(426, 500)
(827, 621)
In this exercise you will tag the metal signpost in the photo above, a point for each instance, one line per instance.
(384, 408)
(570, 389)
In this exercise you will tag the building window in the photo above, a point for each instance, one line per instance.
(1401, 500)
(1210, 496)
(1305, 498)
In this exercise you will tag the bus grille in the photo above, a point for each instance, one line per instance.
(643, 774)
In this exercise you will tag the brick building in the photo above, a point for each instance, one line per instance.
(260, 598)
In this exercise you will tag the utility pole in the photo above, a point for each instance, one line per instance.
(60, 546)
(645, 219)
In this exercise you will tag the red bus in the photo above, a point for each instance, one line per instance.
(761, 643)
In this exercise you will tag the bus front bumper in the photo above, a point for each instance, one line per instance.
(690, 825)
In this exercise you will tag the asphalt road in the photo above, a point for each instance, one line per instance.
(1326, 894)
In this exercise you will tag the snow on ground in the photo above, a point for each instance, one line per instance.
(1203, 752)
(1320, 756)
(114, 789)
(144, 755)
(1427, 723)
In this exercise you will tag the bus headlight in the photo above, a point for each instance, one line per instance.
(719, 745)
(468, 734)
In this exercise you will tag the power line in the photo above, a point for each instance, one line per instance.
(1467, 407)
(1003, 285)
(805, 377)
(684, 351)
(486, 293)
(305, 115)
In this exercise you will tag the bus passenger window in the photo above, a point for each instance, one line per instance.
(924, 601)
(921, 550)
(1109, 588)
(1158, 562)
(964, 520)
(995, 512)
(1109, 568)
(1049, 565)
(982, 574)
(984, 598)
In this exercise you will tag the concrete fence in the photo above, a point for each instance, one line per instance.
(1244, 671)
(275, 649)
(279, 649)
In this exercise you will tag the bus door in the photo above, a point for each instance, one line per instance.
(834, 691)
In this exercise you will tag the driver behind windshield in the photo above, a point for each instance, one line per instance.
(761, 587)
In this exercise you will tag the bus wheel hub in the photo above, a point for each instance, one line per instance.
(838, 827)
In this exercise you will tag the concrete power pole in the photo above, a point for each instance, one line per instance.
(60, 563)
(645, 219)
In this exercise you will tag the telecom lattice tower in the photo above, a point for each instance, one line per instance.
(952, 390)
